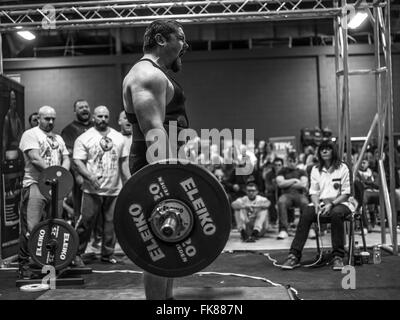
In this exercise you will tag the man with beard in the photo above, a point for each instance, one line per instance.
(99, 156)
(42, 148)
(81, 124)
(126, 129)
(152, 98)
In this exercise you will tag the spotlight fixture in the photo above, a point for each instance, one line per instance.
(27, 35)
(357, 20)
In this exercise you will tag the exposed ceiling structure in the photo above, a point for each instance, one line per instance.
(109, 27)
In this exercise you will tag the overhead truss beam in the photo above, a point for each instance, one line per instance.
(106, 14)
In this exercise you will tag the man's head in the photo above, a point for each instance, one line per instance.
(82, 110)
(47, 116)
(126, 127)
(34, 119)
(251, 190)
(13, 100)
(166, 39)
(292, 159)
(278, 164)
(101, 117)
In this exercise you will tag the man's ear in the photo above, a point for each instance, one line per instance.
(160, 39)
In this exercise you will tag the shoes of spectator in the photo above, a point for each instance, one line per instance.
(282, 235)
(291, 262)
(312, 234)
(78, 262)
(243, 235)
(25, 272)
(337, 263)
(250, 239)
(96, 245)
(255, 234)
(110, 259)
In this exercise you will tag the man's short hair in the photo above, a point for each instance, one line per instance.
(76, 102)
(278, 159)
(292, 155)
(251, 184)
(31, 116)
(163, 27)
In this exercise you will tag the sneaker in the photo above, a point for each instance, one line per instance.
(250, 239)
(243, 235)
(337, 263)
(24, 272)
(291, 262)
(96, 245)
(255, 234)
(312, 234)
(282, 235)
(110, 259)
(365, 231)
(78, 262)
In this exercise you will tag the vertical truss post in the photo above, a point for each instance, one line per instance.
(346, 89)
(381, 125)
(389, 95)
(336, 30)
(1, 54)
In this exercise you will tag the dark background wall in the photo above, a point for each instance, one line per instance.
(274, 91)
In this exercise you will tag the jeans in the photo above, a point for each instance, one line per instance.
(273, 215)
(254, 222)
(287, 201)
(336, 217)
(93, 205)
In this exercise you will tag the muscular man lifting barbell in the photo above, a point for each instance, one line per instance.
(152, 98)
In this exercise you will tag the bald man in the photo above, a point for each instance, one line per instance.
(42, 148)
(101, 159)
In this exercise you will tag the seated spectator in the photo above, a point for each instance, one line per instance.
(271, 188)
(369, 180)
(330, 191)
(293, 184)
(251, 214)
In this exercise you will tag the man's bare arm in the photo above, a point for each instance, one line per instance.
(84, 172)
(36, 159)
(148, 94)
(66, 163)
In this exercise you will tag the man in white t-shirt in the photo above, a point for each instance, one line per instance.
(101, 158)
(42, 148)
(251, 213)
(126, 129)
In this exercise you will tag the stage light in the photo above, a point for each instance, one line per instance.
(27, 35)
(357, 20)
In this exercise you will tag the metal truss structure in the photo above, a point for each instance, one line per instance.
(122, 13)
(118, 13)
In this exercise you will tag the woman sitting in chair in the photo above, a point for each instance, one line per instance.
(329, 190)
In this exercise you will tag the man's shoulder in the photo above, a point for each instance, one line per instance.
(260, 198)
(87, 134)
(75, 125)
(117, 134)
(31, 132)
(143, 73)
